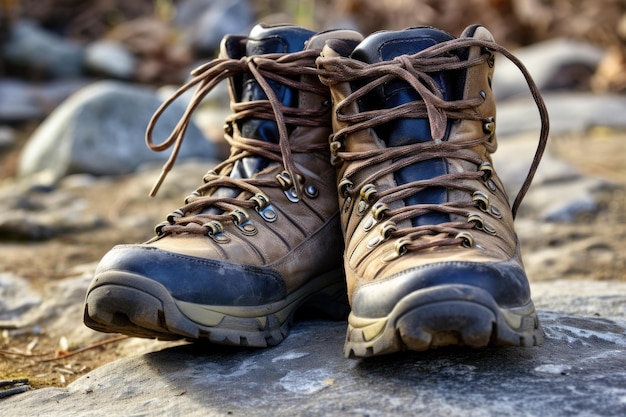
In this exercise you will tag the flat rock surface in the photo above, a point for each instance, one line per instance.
(579, 371)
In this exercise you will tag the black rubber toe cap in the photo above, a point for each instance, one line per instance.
(506, 282)
(193, 279)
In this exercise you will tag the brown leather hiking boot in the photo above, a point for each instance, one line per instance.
(261, 237)
(431, 256)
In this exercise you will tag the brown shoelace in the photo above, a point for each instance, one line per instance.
(285, 69)
(415, 70)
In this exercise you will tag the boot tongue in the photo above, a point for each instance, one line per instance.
(263, 40)
(267, 40)
(385, 46)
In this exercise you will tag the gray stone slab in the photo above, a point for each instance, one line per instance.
(580, 371)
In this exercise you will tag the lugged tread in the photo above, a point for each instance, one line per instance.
(143, 308)
(476, 322)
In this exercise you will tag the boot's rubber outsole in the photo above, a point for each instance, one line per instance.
(122, 302)
(448, 315)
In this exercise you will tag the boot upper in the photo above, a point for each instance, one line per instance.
(421, 204)
(265, 220)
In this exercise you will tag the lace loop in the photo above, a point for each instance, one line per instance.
(416, 71)
(285, 69)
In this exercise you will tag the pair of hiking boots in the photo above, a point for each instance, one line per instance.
(364, 162)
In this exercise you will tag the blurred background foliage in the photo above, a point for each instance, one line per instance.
(515, 22)
(147, 25)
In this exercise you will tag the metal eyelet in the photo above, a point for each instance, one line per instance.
(479, 224)
(264, 208)
(486, 169)
(228, 129)
(216, 231)
(369, 223)
(288, 186)
(311, 191)
(261, 200)
(489, 127)
(344, 187)
(268, 213)
(385, 233)
(176, 214)
(335, 146)
(399, 249)
(241, 219)
(368, 194)
(467, 240)
(285, 180)
(158, 229)
(192, 196)
(481, 200)
(291, 195)
(374, 242)
(346, 204)
(477, 220)
(378, 213)
(489, 229)
(387, 229)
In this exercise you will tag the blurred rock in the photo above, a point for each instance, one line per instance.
(30, 46)
(100, 130)
(207, 21)
(7, 137)
(108, 58)
(611, 73)
(57, 310)
(210, 115)
(582, 297)
(569, 112)
(556, 64)
(16, 298)
(559, 192)
(35, 214)
(161, 56)
(21, 101)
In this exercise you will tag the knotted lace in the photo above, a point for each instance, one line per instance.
(415, 70)
(285, 69)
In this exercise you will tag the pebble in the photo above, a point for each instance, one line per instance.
(17, 298)
(21, 101)
(206, 22)
(35, 214)
(100, 130)
(559, 192)
(110, 59)
(556, 64)
(33, 47)
(569, 113)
